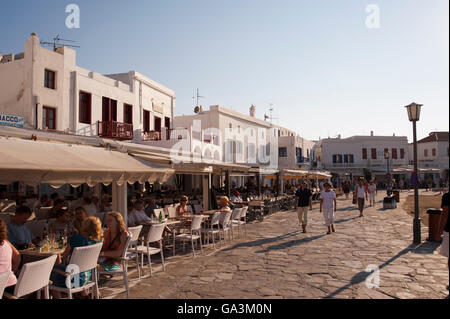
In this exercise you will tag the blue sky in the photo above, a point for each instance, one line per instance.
(323, 70)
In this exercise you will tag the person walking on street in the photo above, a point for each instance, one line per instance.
(303, 198)
(361, 194)
(328, 206)
(372, 192)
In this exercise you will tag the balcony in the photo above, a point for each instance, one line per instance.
(170, 134)
(117, 130)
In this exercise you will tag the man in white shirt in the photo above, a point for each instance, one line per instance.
(328, 206)
(137, 215)
(372, 192)
(90, 208)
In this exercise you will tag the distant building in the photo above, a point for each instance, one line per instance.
(432, 152)
(362, 155)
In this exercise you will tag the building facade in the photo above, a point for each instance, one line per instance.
(362, 155)
(432, 152)
(51, 92)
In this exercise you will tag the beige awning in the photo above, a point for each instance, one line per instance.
(35, 162)
(294, 173)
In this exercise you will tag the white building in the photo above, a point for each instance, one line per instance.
(432, 152)
(51, 92)
(362, 155)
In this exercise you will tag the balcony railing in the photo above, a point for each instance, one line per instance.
(111, 129)
(151, 136)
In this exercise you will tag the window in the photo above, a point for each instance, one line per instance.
(394, 153)
(282, 152)
(374, 153)
(337, 158)
(49, 118)
(146, 121)
(433, 152)
(49, 79)
(109, 110)
(348, 158)
(364, 153)
(85, 108)
(425, 153)
(298, 154)
(128, 113)
(402, 153)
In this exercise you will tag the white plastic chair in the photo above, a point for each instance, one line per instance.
(34, 276)
(135, 233)
(211, 231)
(123, 267)
(171, 212)
(235, 216)
(153, 236)
(9, 208)
(83, 259)
(194, 235)
(37, 227)
(4, 277)
(225, 224)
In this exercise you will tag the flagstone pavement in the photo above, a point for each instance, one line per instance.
(277, 260)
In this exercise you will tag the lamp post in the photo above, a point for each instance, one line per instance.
(414, 115)
(388, 175)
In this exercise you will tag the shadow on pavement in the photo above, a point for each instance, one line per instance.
(361, 276)
(290, 243)
(345, 220)
(260, 242)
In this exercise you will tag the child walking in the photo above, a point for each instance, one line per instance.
(328, 206)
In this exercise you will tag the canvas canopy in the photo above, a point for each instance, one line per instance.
(35, 162)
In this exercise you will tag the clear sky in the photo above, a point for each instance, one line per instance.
(316, 61)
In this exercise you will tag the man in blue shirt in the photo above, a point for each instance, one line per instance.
(18, 234)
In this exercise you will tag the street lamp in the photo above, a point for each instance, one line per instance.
(388, 175)
(414, 115)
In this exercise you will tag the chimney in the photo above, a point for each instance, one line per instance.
(371, 133)
(252, 110)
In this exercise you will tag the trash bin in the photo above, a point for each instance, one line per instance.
(396, 196)
(434, 216)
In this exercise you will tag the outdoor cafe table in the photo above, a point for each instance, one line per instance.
(36, 253)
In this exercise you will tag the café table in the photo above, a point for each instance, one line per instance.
(37, 253)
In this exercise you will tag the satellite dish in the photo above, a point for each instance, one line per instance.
(196, 109)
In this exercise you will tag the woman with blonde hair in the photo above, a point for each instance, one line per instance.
(114, 240)
(90, 234)
(224, 204)
(183, 209)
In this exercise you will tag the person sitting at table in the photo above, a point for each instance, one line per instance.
(9, 256)
(43, 202)
(89, 206)
(62, 224)
(18, 233)
(150, 209)
(57, 205)
(114, 239)
(95, 200)
(80, 216)
(224, 204)
(236, 198)
(137, 216)
(183, 210)
(90, 234)
(105, 205)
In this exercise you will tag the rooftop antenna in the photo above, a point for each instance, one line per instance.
(270, 117)
(56, 43)
(198, 96)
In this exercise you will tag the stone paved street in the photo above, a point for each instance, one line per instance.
(277, 260)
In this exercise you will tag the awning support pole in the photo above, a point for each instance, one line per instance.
(119, 200)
